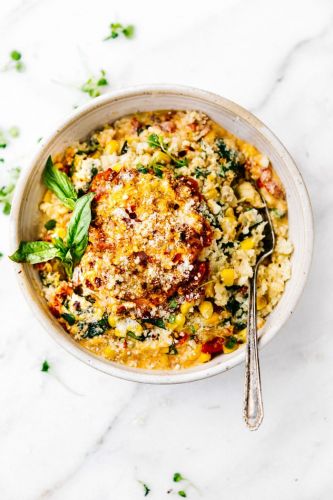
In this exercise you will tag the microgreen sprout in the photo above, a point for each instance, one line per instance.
(93, 85)
(15, 61)
(117, 28)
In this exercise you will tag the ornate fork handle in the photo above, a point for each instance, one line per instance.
(253, 410)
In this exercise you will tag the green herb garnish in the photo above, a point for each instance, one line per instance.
(140, 338)
(6, 192)
(69, 251)
(199, 172)
(142, 169)
(93, 85)
(157, 171)
(117, 28)
(157, 142)
(173, 304)
(97, 328)
(60, 184)
(5, 135)
(233, 305)
(178, 477)
(124, 148)
(231, 342)
(50, 224)
(146, 489)
(3, 140)
(1, 255)
(35, 252)
(45, 366)
(77, 229)
(15, 61)
(69, 318)
(182, 493)
(156, 322)
(172, 350)
(229, 156)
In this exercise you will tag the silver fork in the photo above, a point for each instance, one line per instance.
(253, 410)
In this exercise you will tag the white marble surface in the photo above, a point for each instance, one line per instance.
(74, 433)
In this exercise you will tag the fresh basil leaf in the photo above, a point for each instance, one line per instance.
(34, 252)
(77, 230)
(60, 184)
(60, 244)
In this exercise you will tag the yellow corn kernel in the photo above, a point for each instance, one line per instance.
(261, 303)
(60, 232)
(206, 309)
(48, 196)
(116, 167)
(119, 333)
(226, 350)
(211, 177)
(204, 357)
(210, 136)
(109, 352)
(209, 289)
(247, 244)
(213, 320)
(230, 213)
(160, 157)
(228, 276)
(260, 322)
(249, 150)
(59, 165)
(111, 147)
(241, 335)
(179, 321)
(185, 307)
(112, 320)
(135, 328)
(162, 205)
(212, 194)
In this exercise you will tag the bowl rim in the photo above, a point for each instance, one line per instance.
(123, 371)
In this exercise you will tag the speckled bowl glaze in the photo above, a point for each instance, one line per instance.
(146, 98)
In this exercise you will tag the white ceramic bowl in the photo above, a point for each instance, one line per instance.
(145, 98)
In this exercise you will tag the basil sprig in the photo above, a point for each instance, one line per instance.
(157, 142)
(72, 249)
(69, 251)
(60, 184)
(34, 252)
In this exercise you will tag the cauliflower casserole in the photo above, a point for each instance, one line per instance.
(173, 230)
